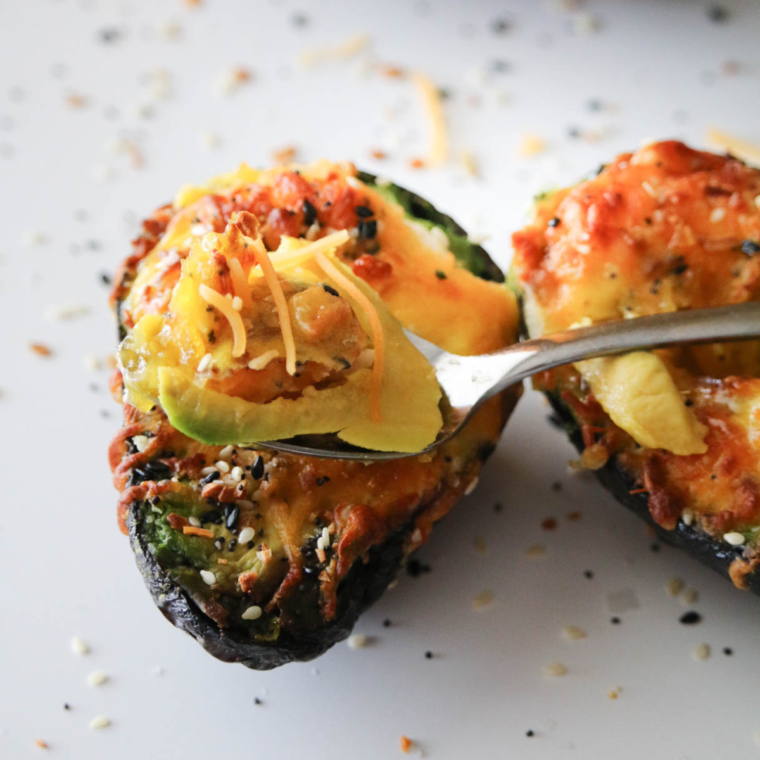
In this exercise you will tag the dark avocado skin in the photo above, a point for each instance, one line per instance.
(362, 587)
(715, 554)
(469, 255)
(365, 582)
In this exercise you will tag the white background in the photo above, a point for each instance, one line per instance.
(659, 69)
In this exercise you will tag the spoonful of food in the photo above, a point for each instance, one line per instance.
(469, 381)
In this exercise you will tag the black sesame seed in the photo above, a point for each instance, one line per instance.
(529, 733)
(109, 35)
(681, 268)
(556, 486)
(300, 20)
(387, 623)
(66, 706)
(330, 289)
(105, 278)
(615, 620)
(250, 544)
(717, 14)
(210, 478)
(257, 471)
(232, 516)
(690, 618)
(363, 211)
(553, 222)
(257, 701)
(211, 516)
(309, 212)
(232, 544)
(415, 568)
(367, 229)
(498, 507)
(728, 651)
(155, 500)
(750, 247)
(440, 274)
(588, 574)
(428, 655)
(654, 548)
(500, 26)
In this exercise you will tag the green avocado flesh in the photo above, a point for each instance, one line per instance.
(469, 255)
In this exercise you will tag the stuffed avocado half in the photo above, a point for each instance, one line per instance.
(673, 434)
(267, 304)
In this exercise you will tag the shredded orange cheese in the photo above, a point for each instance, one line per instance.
(275, 286)
(744, 149)
(218, 301)
(308, 250)
(378, 338)
(239, 283)
(191, 530)
(438, 150)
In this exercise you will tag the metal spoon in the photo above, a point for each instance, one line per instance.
(469, 381)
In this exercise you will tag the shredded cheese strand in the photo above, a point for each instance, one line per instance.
(310, 249)
(275, 286)
(438, 150)
(218, 301)
(743, 149)
(378, 338)
(239, 283)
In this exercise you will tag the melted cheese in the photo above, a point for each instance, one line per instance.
(218, 301)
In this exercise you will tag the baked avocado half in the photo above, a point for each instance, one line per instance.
(258, 306)
(673, 434)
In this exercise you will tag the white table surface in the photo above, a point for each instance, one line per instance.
(659, 69)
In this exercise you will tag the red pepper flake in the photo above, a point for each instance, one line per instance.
(406, 744)
(393, 72)
(74, 100)
(416, 163)
(549, 524)
(379, 155)
(284, 155)
(573, 516)
(41, 744)
(638, 490)
(176, 521)
(41, 349)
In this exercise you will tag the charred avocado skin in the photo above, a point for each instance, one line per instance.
(295, 625)
(717, 555)
(607, 248)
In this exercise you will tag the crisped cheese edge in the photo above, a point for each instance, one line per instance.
(218, 301)
(640, 395)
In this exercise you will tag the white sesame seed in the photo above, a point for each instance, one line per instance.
(226, 452)
(757, 201)
(59, 313)
(648, 189)
(358, 641)
(252, 613)
(246, 535)
(701, 652)
(689, 597)
(100, 722)
(471, 486)
(141, 442)
(244, 503)
(208, 140)
(717, 214)
(583, 248)
(198, 229)
(353, 182)
(674, 586)
(573, 633)
(237, 303)
(440, 237)
(237, 474)
(322, 544)
(385, 182)
(208, 577)
(97, 678)
(208, 470)
(222, 466)
(734, 538)
(78, 646)
(687, 516)
(554, 669)
(194, 521)
(417, 536)
(91, 362)
(204, 363)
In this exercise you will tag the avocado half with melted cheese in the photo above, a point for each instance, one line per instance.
(674, 434)
(268, 304)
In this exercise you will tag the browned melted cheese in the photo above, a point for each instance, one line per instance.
(662, 229)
